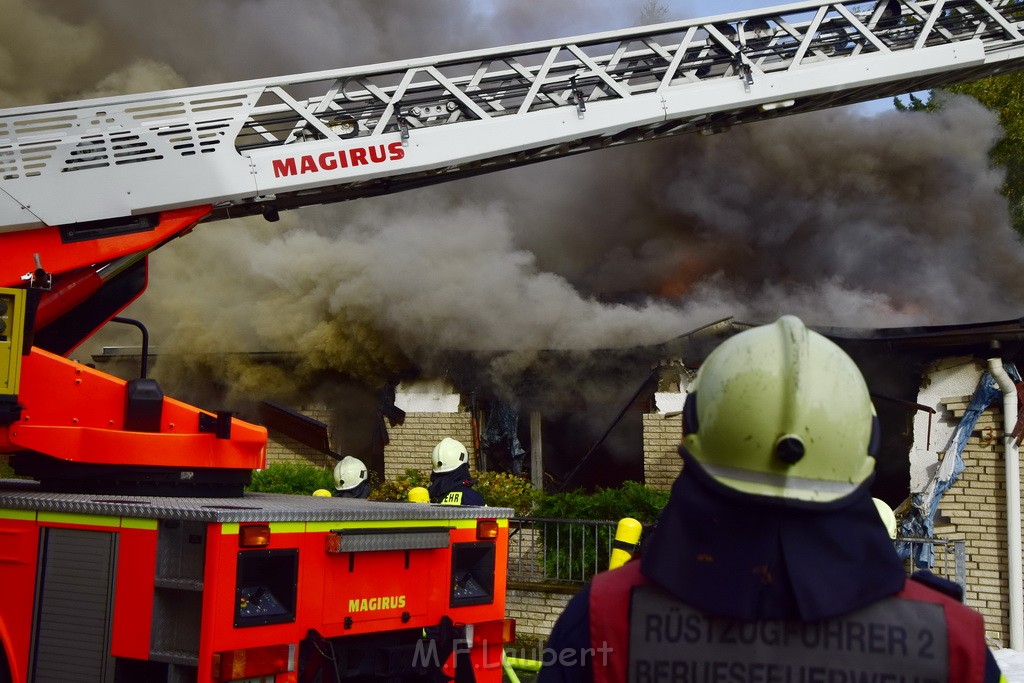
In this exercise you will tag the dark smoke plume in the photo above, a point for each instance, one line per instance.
(842, 218)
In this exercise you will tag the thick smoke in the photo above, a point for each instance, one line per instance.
(211, 42)
(844, 219)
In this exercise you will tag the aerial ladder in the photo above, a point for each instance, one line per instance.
(89, 189)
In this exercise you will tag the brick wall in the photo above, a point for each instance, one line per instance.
(535, 612)
(281, 448)
(976, 509)
(285, 449)
(661, 458)
(412, 442)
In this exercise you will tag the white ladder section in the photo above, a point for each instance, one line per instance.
(267, 145)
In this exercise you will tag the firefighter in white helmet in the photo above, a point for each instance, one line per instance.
(769, 562)
(350, 480)
(450, 480)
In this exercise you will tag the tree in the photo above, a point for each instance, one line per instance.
(652, 12)
(1003, 94)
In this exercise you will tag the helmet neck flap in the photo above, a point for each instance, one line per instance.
(745, 556)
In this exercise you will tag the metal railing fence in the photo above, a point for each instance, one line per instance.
(948, 559)
(571, 551)
(562, 550)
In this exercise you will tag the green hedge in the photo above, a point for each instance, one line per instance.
(291, 477)
(632, 499)
(590, 546)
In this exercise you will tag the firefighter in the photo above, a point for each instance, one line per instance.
(450, 480)
(768, 562)
(350, 479)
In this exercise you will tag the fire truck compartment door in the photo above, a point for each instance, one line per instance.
(74, 607)
(380, 578)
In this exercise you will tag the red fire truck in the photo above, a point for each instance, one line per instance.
(259, 588)
(108, 578)
(133, 554)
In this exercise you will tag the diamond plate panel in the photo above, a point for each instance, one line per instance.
(412, 539)
(252, 507)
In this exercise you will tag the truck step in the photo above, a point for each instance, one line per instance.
(179, 584)
(175, 657)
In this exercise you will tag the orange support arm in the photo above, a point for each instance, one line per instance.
(75, 413)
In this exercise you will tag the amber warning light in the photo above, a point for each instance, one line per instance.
(486, 529)
(254, 536)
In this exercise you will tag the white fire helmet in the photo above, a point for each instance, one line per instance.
(448, 455)
(349, 473)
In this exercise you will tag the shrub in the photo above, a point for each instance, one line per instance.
(576, 551)
(629, 500)
(501, 489)
(399, 488)
(291, 477)
(497, 488)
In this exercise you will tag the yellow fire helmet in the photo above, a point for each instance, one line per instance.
(418, 494)
(781, 411)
